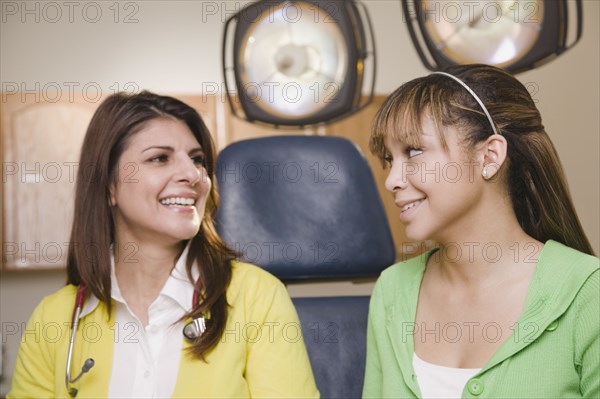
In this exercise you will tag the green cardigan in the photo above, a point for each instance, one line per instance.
(554, 351)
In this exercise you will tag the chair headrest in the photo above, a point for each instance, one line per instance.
(303, 207)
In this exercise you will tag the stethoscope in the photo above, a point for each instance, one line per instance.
(192, 331)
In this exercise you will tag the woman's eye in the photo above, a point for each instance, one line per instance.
(199, 160)
(388, 159)
(159, 159)
(413, 152)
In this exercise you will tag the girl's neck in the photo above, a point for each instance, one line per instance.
(495, 250)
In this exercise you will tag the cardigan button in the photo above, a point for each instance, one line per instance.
(553, 326)
(475, 386)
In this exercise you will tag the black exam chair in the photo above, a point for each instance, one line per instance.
(307, 208)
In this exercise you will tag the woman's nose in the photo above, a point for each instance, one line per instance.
(189, 171)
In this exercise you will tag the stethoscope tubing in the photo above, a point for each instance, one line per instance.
(197, 326)
(79, 302)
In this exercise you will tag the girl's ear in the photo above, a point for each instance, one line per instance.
(493, 153)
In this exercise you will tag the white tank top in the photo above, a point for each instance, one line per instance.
(439, 381)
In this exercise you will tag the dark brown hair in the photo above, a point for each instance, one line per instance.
(532, 171)
(116, 120)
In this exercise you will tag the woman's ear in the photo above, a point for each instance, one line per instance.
(493, 154)
(112, 200)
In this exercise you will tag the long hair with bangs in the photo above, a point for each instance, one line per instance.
(532, 171)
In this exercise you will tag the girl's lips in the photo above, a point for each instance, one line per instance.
(410, 209)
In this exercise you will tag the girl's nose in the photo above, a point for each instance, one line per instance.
(396, 179)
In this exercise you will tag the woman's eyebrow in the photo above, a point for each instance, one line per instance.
(169, 148)
(159, 147)
(197, 149)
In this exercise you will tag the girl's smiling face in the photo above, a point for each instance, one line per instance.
(162, 185)
(437, 187)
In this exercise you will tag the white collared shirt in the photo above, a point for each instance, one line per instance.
(146, 360)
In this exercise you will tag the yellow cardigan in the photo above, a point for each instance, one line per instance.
(261, 353)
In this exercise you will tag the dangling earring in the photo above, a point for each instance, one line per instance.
(486, 172)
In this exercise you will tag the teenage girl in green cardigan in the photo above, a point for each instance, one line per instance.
(508, 304)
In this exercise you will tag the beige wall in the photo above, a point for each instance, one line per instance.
(174, 47)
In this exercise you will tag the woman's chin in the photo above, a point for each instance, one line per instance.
(182, 233)
(189, 234)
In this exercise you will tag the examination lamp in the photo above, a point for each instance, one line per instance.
(513, 35)
(298, 63)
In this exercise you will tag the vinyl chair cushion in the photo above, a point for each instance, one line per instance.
(303, 207)
(334, 331)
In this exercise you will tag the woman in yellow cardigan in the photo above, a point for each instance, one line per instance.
(156, 304)
(507, 305)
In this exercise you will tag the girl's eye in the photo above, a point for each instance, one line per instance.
(413, 152)
(388, 159)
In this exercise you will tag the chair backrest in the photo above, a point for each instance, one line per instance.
(307, 207)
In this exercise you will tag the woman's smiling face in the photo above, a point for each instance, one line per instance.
(162, 185)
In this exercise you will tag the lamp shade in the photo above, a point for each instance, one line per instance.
(297, 62)
(514, 35)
